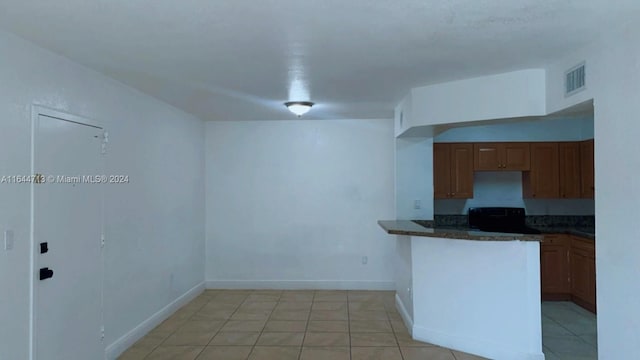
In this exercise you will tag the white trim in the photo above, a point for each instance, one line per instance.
(408, 322)
(127, 340)
(32, 272)
(472, 346)
(47, 111)
(301, 284)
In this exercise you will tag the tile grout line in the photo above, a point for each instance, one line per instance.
(172, 332)
(278, 300)
(265, 324)
(571, 309)
(226, 321)
(393, 331)
(214, 335)
(306, 327)
(349, 324)
(223, 324)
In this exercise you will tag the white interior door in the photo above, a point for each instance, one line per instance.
(67, 217)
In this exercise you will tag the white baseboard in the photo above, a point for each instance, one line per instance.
(472, 346)
(301, 284)
(119, 346)
(408, 321)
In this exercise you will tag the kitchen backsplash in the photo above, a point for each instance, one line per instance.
(451, 220)
(536, 221)
(582, 221)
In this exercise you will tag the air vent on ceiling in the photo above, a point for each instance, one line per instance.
(575, 80)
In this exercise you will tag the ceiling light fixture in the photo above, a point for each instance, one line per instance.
(299, 107)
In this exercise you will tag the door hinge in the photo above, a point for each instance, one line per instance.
(105, 141)
(101, 240)
(102, 333)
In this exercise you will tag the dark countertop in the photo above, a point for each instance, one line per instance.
(410, 228)
(585, 232)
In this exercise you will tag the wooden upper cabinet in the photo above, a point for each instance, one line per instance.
(461, 171)
(569, 170)
(486, 156)
(441, 171)
(501, 156)
(453, 171)
(517, 156)
(586, 168)
(543, 179)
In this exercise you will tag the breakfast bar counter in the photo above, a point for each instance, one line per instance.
(411, 228)
(468, 290)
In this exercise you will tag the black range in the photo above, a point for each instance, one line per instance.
(500, 219)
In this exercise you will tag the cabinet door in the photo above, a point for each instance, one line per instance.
(554, 265)
(580, 275)
(441, 171)
(516, 156)
(486, 156)
(592, 284)
(586, 164)
(583, 270)
(461, 171)
(543, 180)
(569, 170)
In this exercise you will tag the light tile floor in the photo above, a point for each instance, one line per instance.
(569, 332)
(282, 325)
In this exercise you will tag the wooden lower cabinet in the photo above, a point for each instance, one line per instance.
(568, 270)
(554, 267)
(583, 273)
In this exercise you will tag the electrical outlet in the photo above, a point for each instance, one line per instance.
(365, 260)
(417, 204)
(8, 240)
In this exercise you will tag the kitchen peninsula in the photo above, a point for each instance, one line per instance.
(473, 291)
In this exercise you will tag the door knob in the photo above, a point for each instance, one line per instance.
(46, 273)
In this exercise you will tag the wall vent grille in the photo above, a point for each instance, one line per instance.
(575, 80)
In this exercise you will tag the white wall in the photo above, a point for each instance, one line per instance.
(500, 188)
(154, 225)
(508, 95)
(564, 129)
(295, 204)
(404, 279)
(414, 179)
(617, 107)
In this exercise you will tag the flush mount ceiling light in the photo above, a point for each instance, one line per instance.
(299, 107)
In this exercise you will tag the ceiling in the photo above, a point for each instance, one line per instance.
(241, 59)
